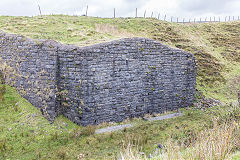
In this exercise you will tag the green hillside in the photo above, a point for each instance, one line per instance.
(26, 134)
(215, 45)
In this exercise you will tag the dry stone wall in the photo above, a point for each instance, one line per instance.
(104, 82)
(30, 66)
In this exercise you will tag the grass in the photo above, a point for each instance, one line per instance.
(213, 144)
(215, 45)
(236, 156)
(26, 134)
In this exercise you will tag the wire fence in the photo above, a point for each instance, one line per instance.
(200, 20)
(165, 17)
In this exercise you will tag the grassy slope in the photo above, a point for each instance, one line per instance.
(25, 134)
(215, 45)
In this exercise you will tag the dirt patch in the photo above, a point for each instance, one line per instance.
(112, 30)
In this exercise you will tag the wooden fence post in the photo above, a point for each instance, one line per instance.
(165, 17)
(114, 13)
(40, 10)
(158, 15)
(87, 10)
(177, 19)
(152, 15)
(136, 13)
(144, 14)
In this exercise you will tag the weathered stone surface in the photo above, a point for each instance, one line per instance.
(113, 128)
(31, 69)
(100, 83)
(123, 126)
(168, 116)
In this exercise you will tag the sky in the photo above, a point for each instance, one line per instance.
(187, 9)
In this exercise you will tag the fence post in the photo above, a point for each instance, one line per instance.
(219, 19)
(87, 10)
(229, 18)
(214, 18)
(171, 19)
(238, 17)
(114, 13)
(177, 19)
(39, 10)
(165, 17)
(144, 14)
(233, 18)
(200, 20)
(136, 13)
(152, 15)
(158, 15)
(210, 19)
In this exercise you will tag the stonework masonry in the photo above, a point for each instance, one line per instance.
(106, 82)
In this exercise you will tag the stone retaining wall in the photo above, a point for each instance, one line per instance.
(30, 66)
(100, 83)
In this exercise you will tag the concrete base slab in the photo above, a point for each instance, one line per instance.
(121, 127)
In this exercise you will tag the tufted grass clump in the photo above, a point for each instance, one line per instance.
(215, 143)
(61, 153)
(2, 87)
(3, 145)
(89, 130)
(2, 92)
